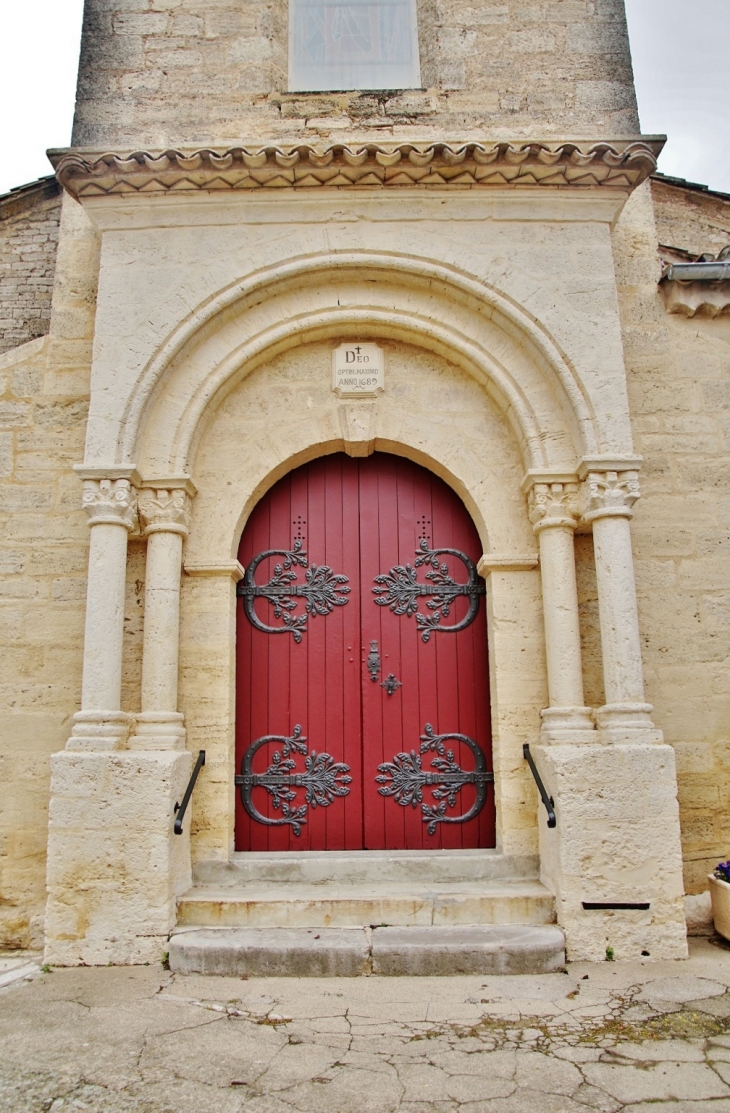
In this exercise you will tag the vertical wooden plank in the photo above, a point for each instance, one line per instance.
(299, 654)
(351, 806)
(374, 805)
(279, 649)
(418, 682)
(314, 835)
(449, 835)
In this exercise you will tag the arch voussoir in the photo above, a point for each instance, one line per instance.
(376, 296)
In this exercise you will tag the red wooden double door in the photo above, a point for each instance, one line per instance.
(362, 682)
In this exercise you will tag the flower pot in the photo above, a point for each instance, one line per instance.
(720, 891)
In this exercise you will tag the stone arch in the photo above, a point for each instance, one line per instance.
(237, 459)
(375, 295)
(270, 436)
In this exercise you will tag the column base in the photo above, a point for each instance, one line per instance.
(115, 867)
(619, 722)
(99, 730)
(158, 730)
(617, 842)
(557, 720)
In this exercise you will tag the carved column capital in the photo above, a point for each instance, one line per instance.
(609, 494)
(110, 501)
(553, 504)
(164, 509)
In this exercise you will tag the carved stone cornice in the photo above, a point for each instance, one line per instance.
(554, 503)
(705, 299)
(609, 494)
(164, 510)
(699, 286)
(620, 164)
(110, 501)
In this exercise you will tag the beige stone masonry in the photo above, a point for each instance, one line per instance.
(553, 511)
(233, 569)
(162, 73)
(112, 812)
(233, 387)
(230, 234)
(603, 850)
(111, 504)
(164, 512)
(44, 397)
(115, 868)
(614, 847)
(677, 376)
(503, 562)
(608, 500)
(357, 421)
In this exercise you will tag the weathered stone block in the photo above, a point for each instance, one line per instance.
(272, 952)
(115, 868)
(484, 949)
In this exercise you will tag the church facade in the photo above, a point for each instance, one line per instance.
(379, 432)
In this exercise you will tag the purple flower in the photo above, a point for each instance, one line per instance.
(722, 871)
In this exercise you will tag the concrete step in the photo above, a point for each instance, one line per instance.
(349, 952)
(339, 905)
(314, 867)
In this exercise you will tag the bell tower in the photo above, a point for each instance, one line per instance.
(167, 74)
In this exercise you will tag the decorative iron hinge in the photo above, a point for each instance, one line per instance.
(322, 591)
(405, 779)
(323, 779)
(400, 590)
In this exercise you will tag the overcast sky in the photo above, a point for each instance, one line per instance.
(681, 52)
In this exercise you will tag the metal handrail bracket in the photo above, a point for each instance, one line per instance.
(180, 809)
(547, 800)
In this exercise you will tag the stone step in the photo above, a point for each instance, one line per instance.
(350, 952)
(362, 905)
(316, 867)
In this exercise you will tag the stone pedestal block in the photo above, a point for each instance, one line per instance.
(115, 867)
(616, 842)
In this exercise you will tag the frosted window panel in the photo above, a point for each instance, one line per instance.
(365, 44)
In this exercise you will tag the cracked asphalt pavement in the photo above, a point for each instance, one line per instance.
(641, 1037)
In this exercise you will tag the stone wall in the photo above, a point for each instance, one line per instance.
(689, 218)
(44, 387)
(156, 73)
(29, 219)
(679, 391)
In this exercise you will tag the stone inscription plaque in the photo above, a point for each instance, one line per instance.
(358, 370)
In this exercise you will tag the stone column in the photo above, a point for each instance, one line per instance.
(553, 512)
(115, 867)
(616, 842)
(111, 506)
(164, 515)
(609, 497)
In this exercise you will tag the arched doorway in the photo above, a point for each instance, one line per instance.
(362, 695)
